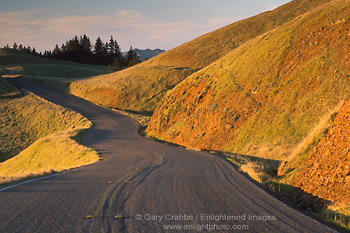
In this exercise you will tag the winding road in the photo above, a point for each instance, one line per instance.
(142, 186)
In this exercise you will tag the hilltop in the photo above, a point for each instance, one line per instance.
(57, 73)
(267, 95)
(140, 88)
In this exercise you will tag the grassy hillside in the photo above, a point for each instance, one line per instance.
(27, 119)
(53, 153)
(327, 161)
(33, 132)
(37, 136)
(7, 90)
(140, 88)
(323, 170)
(56, 73)
(127, 91)
(264, 97)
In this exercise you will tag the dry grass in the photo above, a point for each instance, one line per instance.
(263, 171)
(36, 135)
(323, 124)
(53, 153)
(269, 93)
(260, 169)
(299, 153)
(41, 132)
(255, 171)
(338, 215)
(27, 119)
(140, 88)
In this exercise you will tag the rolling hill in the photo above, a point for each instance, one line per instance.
(140, 88)
(279, 96)
(37, 136)
(264, 97)
(272, 86)
(57, 73)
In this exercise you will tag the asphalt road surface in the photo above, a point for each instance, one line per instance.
(142, 186)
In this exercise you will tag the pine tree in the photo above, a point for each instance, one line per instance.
(85, 43)
(98, 46)
(34, 52)
(57, 52)
(111, 46)
(115, 66)
(85, 53)
(80, 49)
(72, 50)
(114, 54)
(28, 49)
(72, 44)
(132, 58)
(105, 49)
(117, 50)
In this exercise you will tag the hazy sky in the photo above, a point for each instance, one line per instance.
(141, 23)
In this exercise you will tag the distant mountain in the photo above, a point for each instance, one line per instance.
(148, 53)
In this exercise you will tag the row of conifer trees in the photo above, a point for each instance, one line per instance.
(80, 49)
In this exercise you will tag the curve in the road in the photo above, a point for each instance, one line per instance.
(142, 186)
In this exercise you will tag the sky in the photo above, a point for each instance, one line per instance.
(142, 24)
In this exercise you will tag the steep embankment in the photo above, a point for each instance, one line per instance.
(140, 88)
(325, 170)
(264, 97)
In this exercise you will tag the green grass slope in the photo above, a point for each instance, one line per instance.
(7, 90)
(140, 88)
(56, 73)
(267, 95)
